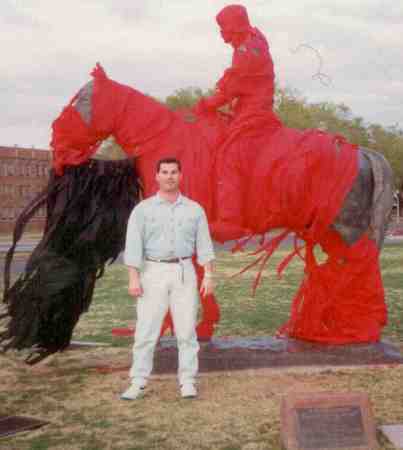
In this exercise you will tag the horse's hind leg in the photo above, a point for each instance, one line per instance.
(368, 205)
(382, 202)
(354, 217)
(341, 301)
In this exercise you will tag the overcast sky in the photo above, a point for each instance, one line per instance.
(48, 48)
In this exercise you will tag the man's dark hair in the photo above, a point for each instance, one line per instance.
(169, 160)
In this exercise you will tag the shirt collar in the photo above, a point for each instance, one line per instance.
(160, 200)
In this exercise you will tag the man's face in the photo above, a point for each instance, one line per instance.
(168, 177)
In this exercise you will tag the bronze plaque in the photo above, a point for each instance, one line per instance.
(336, 427)
(334, 421)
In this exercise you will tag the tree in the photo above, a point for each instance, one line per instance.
(185, 98)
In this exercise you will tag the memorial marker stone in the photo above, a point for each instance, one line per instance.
(334, 421)
(10, 425)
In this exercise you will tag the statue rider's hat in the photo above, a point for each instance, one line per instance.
(234, 18)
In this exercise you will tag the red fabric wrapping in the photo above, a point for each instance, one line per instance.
(73, 142)
(114, 108)
(234, 18)
(209, 308)
(340, 301)
(295, 180)
(247, 89)
(301, 180)
(248, 85)
(250, 79)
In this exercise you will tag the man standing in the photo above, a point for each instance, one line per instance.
(163, 233)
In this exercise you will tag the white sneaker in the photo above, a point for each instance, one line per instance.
(188, 390)
(134, 392)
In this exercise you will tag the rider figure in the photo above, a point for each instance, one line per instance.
(247, 87)
(249, 82)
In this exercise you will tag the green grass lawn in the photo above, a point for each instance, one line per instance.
(242, 314)
(392, 274)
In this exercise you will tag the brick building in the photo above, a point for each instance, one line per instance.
(23, 173)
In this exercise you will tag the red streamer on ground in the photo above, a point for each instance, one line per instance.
(124, 332)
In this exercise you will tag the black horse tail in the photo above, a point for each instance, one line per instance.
(87, 212)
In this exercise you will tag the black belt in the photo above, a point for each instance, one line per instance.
(169, 261)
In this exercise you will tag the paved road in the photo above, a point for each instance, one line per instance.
(22, 247)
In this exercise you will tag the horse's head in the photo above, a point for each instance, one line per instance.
(100, 109)
(141, 126)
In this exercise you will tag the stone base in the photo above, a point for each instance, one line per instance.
(228, 354)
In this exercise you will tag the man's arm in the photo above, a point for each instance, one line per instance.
(208, 105)
(250, 59)
(205, 254)
(133, 256)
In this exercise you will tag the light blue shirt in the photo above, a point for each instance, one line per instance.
(159, 229)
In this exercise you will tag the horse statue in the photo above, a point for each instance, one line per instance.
(336, 196)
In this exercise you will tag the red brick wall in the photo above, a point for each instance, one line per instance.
(23, 173)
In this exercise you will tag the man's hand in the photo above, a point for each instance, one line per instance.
(135, 288)
(207, 285)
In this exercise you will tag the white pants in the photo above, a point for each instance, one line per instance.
(174, 287)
